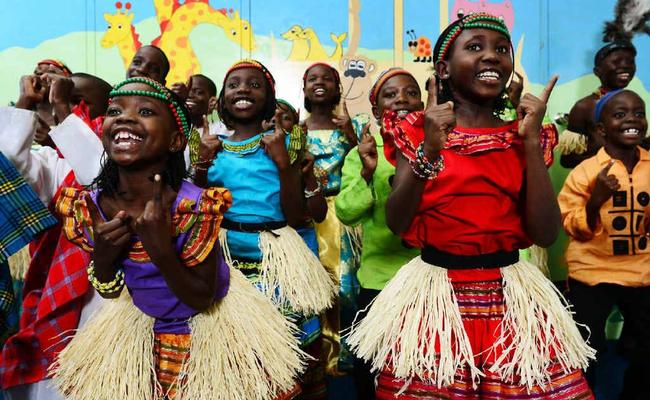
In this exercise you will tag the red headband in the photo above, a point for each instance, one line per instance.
(251, 64)
(337, 77)
(58, 64)
(381, 80)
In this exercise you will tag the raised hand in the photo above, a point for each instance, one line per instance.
(368, 154)
(111, 238)
(60, 97)
(344, 123)
(439, 121)
(531, 110)
(32, 92)
(307, 166)
(210, 144)
(275, 146)
(181, 90)
(153, 226)
(515, 89)
(605, 187)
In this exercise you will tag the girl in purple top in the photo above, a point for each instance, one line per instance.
(182, 315)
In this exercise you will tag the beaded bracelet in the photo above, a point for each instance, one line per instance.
(105, 287)
(311, 193)
(423, 168)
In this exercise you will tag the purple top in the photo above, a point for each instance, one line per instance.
(149, 289)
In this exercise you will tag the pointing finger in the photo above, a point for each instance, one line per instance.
(366, 131)
(157, 191)
(432, 90)
(546, 93)
(607, 167)
(206, 126)
(95, 215)
(345, 108)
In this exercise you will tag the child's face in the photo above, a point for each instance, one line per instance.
(139, 131)
(287, 118)
(199, 100)
(94, 97)
(479, 65)
(245, 94)
(617, 69)
(401, 94)
(320, 85)
(623, 120)
(148, 62)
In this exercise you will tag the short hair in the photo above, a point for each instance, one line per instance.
(101, 84)
(212, 87)
(166, 66)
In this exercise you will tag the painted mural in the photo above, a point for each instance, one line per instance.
(360, 37)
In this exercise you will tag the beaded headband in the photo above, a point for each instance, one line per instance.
(287, 104)
(58, 64)
(602, 102)
(382, 79)
(337, 77)
(161, 93)
(470, 21)
(251, 64)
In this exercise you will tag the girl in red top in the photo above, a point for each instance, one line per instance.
(467, 319)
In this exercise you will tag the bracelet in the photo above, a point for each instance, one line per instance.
(423, 168)
(105, 287)
(311, 193)
(202, 163)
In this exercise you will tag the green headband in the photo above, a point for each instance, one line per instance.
(471, 21)
(161, 93)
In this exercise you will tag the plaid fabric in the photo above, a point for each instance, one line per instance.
(54, 292)
(22, 214)
(8, 309)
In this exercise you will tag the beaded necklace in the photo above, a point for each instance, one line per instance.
(244, 148)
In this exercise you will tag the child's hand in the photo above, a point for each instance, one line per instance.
(344, 123)
(307, 168)
(111, 238)
(515, 89)
(181, 90)
(439, 120)
(605, 187)
(153, 226)
(42, 133)
(275, 146)
(32, 92)
(210, 144)
(60, 89)
(531, 110)
(368, 154)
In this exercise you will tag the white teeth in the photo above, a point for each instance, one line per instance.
(631, 132)
(489, 75)
(127, 136)
(624, 75)
(319, 91)
(402, 113)
(243, 103)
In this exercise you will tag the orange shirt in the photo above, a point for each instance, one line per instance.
(615, 252)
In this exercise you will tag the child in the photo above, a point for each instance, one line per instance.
(467, 319)
(365, 187)
(256, 167)
(151, 62)
(329, 138)
(44, 110)
(603, 202)
(614, 65)
(186, 315)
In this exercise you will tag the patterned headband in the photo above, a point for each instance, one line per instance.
(251, 64)
(602, 102)
(160, 92)
(470, 21)
(58, 64)
(382, 79)
(337, 77)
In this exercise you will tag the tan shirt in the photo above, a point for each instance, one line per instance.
(615, 252)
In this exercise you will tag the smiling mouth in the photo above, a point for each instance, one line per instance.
(631, 132)
(320, 91)
(626, 76)
(402, 113)
(125, 141)
(243, 104)
(489, 76)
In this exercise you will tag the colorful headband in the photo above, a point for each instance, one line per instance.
(382, 79)
(602, 102)
(286, 103)
(58, 64)
(470, 21)
(251, 64)
(161, 93)
(337, 77)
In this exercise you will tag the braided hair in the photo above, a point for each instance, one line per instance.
(175, 170)
(444, 46)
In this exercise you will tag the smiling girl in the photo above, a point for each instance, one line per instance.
(180, 328)
(467, 319)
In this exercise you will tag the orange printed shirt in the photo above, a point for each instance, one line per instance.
(616, 251)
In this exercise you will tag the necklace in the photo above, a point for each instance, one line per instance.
(245, 148)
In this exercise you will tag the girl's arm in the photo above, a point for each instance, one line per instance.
(403, 202)
(316, 204)
(208, 148)
(541, 211)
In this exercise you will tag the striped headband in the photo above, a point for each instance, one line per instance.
(251, 64)
(602, 102)
(337, 77)
(470, 21)
(382, 79)
(58, 64)
(180, 113)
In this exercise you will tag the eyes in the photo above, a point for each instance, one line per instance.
(235, 83)
(143, 111)
(476, 47)
(391, 94)
(623, 114)
(314, 78)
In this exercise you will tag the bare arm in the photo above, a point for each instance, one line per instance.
(404, 200)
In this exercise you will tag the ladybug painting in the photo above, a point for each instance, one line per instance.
(420, 47)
